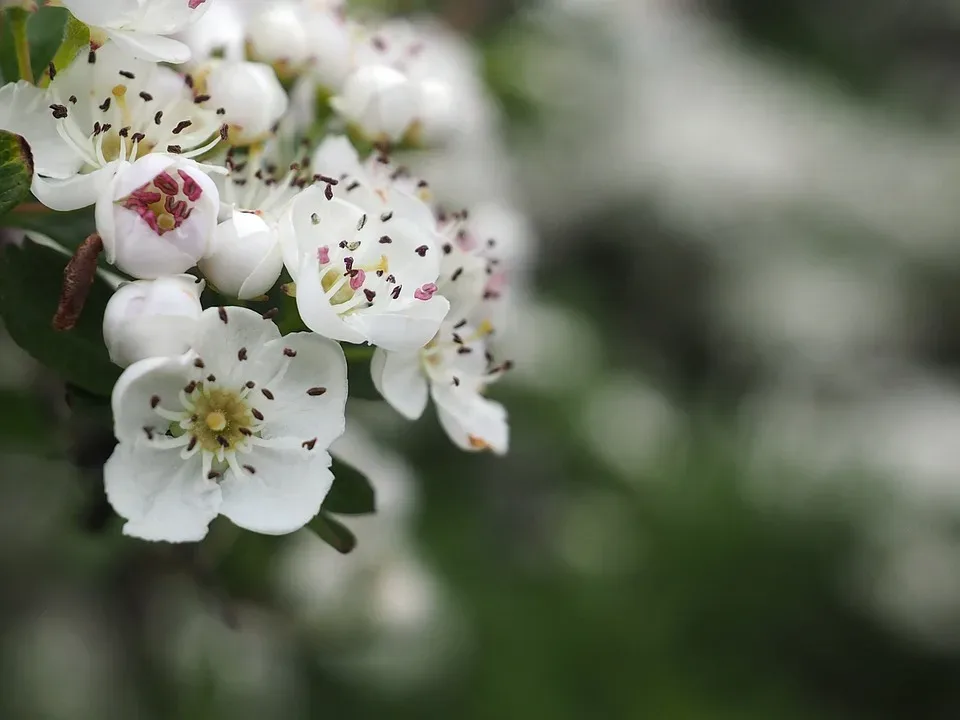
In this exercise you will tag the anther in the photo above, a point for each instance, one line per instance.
(266, 393)
(154, 401)
(190, 388)
(242, 354)
(421, 251)
(148, 431)
(222, 312)
(59, 111)
(221, 111)
(128, 74)
(91, 57)
(396, 292)
(145, 96)
(353, 186)
(181, 126)
(386, 240)
(250, 384)
(158, 118)
(257, 414)
(289, 352)
(223, 441)
(328, 192)
(316, 391)
(73, 99)
(250, 469)
(370, 294)
(192, 444)
(213, 475)
(52, 70)
(361, 222)
(199, 363)
(201, 99)
(456, 273)
(385, 217)
(175, 149)
(309, 444)
(271, 313)
(211, 378)
(105, 105)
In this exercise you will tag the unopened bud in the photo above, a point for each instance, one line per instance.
(152, 318)
(249, 94)
(382, 102)
(245, 261)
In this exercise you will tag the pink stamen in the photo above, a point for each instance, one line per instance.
(323, 254)
(426, 292)
(190, 187)
(194, 4)
(356, 282)
(166, 184)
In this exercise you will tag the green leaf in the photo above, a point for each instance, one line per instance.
(352, 493)
(45, 31)
(31, 278)
(16, 170)
(333, 533)
(74, 36)
(67, 228)
(358, 372)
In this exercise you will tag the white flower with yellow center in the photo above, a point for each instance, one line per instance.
(139, 26)
(238, 427)
(105, 109)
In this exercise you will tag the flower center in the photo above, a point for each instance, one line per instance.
(164, 203)
(227, 419)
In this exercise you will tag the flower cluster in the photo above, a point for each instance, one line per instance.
(240, 153)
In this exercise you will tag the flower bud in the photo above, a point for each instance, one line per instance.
(249, 94)
(382, 102)
(246, 259)
(278, 35)
(157, 216)
(152, 318)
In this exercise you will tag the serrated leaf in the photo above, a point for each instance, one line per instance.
(352, 493)
(333, 533)
(31, 278)
(16, 170)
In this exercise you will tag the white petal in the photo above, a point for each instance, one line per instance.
(161, 496)
(472, 421)
(151, 47)
(400, 379)
(336, 156)
(101, 13)
(405, 329)
(264, 276)
(282, 495)
(315, 309)
(160, 378)
(293, 413)
(25, 110)
(77, 191)
(219, 343)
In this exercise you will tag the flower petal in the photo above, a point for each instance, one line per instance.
(472, 421)
(141, 387)
(161, 496)
(308, 400)
(283, 493)
(400, 379)
(74, 192)
(151, 47)
(223, 332)
(405, 329)
(25, 110)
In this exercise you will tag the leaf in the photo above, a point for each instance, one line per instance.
(16, 170)
(358, 372)
(352, 493)
(30, 282)
(45, 31)
(67, 228)
(74, 36)
(333, 533)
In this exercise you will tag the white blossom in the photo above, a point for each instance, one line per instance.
(152, 318)
(247, 95)
(380, 101)
(365, 261)
(106, 108)
(139, 26)
(238, 427)
(158, 215)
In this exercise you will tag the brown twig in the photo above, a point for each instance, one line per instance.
(78, 278)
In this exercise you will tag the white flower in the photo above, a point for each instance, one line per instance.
(152, 318)
(365, 271)
(280, 35)
(139, 25)
(380, 101)
(239, 427)
(245, 261)
(105, 108)
(247, 95)
(454, 369)
(158, 216)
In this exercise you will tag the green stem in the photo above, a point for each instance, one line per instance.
(18, 27)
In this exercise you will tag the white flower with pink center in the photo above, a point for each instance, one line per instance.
(158, 216)
(362, 274)
(238, 427)
(140, 26)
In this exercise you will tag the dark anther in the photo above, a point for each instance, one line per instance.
(309, 444)
(154, 401)
(59, 111)
(242, 354)
(198, 363)
(147, 97)
(316, 391)
(181, 126)
(257, 414)
(266, 393)
(290, 353)
(222, 312)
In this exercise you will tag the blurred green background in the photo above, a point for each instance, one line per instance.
(734, 483)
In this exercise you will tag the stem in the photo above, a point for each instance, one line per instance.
(18, 27)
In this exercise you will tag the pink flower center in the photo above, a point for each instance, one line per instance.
(165, 202)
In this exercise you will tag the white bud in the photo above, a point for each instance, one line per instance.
(279, 35)
(438, 111)
(157, 216)
(246, 259)
(379, 100)
(152, 318)
(249, 93)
